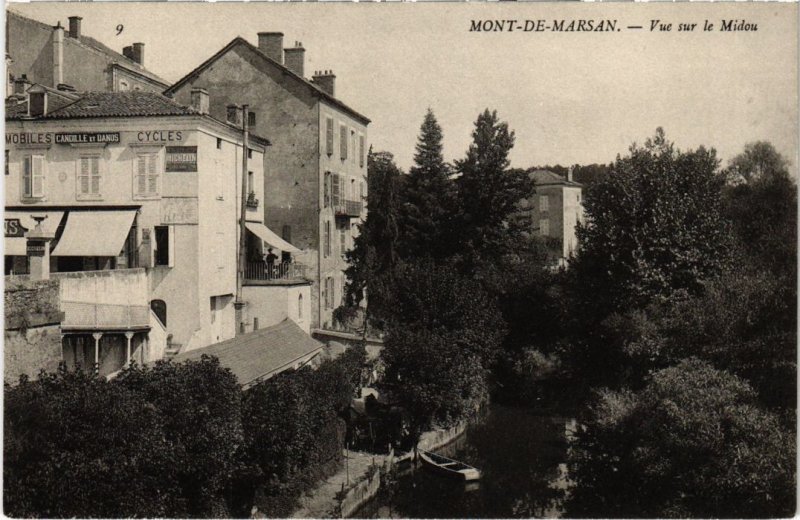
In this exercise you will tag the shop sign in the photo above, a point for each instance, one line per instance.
(14, 228)
(36, 248)
(87, 138)
(181, 159)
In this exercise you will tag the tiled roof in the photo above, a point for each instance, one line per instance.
(113, 55)
(260, 354)
(266, 59)
(104, 104)
(545, 177)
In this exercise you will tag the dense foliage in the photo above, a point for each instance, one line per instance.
(173, 440)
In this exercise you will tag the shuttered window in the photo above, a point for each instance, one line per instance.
(33, 176)
(327, 238)
(89, 176)
(326, 189)
(336, 190)
(342, 241)
(343, 141)
(329, 135)
(147, 173)
(361, 143)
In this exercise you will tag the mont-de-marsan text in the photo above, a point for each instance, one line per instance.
(602, 25)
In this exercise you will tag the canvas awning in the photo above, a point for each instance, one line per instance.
(95, 233)
(19, 222)
(268, 236)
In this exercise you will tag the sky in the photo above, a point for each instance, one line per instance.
(570, 97)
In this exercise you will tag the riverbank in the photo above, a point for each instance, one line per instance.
(359, 480)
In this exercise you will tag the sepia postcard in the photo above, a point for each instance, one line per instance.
(400, 259)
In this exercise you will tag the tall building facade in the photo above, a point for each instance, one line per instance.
(57, 55)
(554, 212)
(316, 167)
(141, 199)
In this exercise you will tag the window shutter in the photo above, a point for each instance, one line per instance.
(361, 151)
(343, 141)
(95, 175)
(84, 176)
(329, 135)
(141, 174)
(38, 175)
(326, 189)
(342, 241)
(27, 177)
(336, 189)
(152, 175)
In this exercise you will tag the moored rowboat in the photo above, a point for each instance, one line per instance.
(448, 467)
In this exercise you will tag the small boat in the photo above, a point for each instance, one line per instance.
(449, 467)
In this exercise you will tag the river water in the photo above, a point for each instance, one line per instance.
(521, 455)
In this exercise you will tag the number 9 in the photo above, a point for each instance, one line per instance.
(120, 27)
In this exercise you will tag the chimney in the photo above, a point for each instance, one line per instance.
(271, 44)
(138, 53)
(38, 249)
(58, 54)
(569, 173)
(75, 27)
(294, 58)
(326, 81)
(37, 103)
(233, 115)
(21, 84)
(200, 100)
(128, 52)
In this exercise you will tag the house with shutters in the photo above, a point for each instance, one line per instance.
(315, 171)
(137, 201)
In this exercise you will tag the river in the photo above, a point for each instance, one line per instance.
(521, 455)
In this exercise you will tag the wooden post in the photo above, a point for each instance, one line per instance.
(128, 336)
(97, 336)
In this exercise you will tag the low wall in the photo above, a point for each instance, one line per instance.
(359, 494)
(114, 287)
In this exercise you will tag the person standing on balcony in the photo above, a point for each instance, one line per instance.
(270, 259)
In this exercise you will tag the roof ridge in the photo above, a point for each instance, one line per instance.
(240, 40)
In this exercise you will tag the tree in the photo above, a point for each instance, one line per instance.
(693, 443)
(763, 210)
(488, 193)
(374, 256)
(427, 198)
(653, 227)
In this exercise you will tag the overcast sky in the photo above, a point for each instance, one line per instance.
(570, 97)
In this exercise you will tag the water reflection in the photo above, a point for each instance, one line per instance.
(521, 458)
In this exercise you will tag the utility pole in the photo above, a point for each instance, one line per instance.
(243, 207)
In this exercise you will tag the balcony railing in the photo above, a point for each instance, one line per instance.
(349, 208)
(102, 316)
(283, 271)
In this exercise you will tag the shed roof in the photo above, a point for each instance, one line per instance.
(546, 177)
(260, 354)
(265, 60)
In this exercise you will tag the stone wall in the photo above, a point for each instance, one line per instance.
(32, 336)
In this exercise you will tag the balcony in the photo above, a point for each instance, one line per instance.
(278, 273)
(252, 201)
(349, 208)
(104, 316)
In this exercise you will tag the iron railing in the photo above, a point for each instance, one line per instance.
(282, 271)
(349, 208)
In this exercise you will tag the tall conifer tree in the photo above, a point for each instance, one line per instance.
(428, 198)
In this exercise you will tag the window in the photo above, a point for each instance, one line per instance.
(329, 135)
(544, 227)
(336, 190)
(33, 176)
(249, 153)
(147, 173)
(300, 307)
(353, 144)
(251, 119)
(286, 233)
(162, 245)
(342, 241)
(327, 189)
(159, 308)
(219, 143)
(361, 151)
(250, 187)
(343, 141)
(544, 203)
(89, 176)
(327, 238)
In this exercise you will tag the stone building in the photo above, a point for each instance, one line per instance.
(553, 212)
(141, 197)
(55, 55)
(316, 167)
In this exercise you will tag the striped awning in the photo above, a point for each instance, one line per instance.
(95, 233)
(269, 236)
(16, 221)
